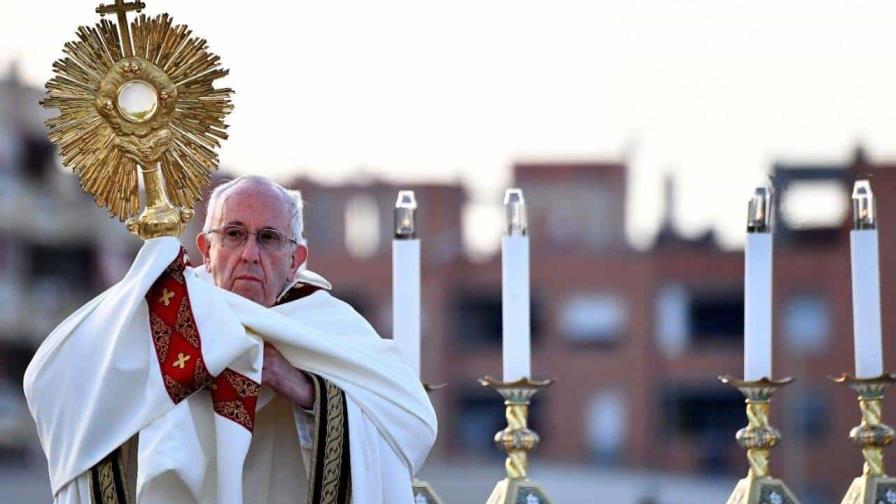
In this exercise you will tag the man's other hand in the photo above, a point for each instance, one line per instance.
(286, 380)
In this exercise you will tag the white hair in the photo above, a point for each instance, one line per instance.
(292, 199)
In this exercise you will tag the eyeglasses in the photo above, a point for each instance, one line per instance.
(269, 239)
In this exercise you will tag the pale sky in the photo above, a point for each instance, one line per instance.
(714, 91)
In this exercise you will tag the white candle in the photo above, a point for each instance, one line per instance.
(406, 280)
(515, 289)
(758, 288)
(864, 264)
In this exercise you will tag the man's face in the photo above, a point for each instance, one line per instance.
(251, 270)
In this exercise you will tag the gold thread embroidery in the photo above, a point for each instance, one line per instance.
(201, 375)
(161, 334)
(333, 446)
(103, 476)
(242, 409)
(244, 386)
(177, 391)
(177, 266)
(236, 411)
(185, 325)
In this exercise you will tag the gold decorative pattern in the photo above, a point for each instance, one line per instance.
(185, 324)
(333, 445)
(174, 144)
(234, 396)
(106, 481)
(200, 372)
(161, 335)
(243, 386)
(330, 481)
(177, 391)
(235, 411)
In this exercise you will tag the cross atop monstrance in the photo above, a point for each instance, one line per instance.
(121, 8)
(139, 104)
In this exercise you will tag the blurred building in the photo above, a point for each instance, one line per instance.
(57, 248)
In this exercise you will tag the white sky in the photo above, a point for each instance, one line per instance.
(712, 90)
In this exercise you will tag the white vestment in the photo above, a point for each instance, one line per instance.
(95, 383)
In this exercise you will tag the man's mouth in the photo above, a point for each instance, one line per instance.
(247, 278)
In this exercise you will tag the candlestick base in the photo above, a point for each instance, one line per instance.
(423, 491)
(517, 440)
(758, 438)
(871, 490)
(513, 491)
(872, 436)
(753, 490)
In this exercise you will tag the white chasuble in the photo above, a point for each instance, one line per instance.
(162, 372)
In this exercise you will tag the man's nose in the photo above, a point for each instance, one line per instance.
(251, 252)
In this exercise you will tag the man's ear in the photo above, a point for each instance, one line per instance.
(204, 245)
(299, 257)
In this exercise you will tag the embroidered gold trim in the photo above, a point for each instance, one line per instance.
(244, 386)
(236, 411)
(329, 491)
(102, 476)
(185, 324)
(161, 334)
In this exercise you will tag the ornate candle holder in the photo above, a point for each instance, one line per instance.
(423, 491)
(758, 437)
(872, 435)
(517, 440)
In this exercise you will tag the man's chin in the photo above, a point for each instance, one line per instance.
(251, 294)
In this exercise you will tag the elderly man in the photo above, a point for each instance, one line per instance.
(217, 384)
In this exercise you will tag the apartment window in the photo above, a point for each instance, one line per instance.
(37, 157)
(673, 319)
(810, 414)
(717, 317)
(362, 226)
(321, 230)
(706, 417)
(595, 318)
(75, 265)
(479, 317)
(807, 323)
(606, 418)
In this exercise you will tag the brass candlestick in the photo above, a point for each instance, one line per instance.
(758, 437)
(872, 435)
(517, 440)
(423, 491)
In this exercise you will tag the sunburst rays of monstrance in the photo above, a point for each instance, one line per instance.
(139, 94)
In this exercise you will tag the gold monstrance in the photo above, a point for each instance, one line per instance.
(139, 95)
